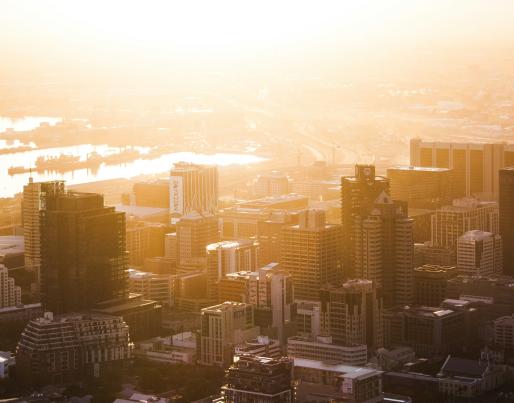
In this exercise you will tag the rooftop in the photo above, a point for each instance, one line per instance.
(346, 371)
(475, 235)
(229, 244)
(418, 168)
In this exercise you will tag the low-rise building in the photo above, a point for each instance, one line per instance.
(69, 347)
(176, 349)
(261, 346)
(321, 348)
(324, 382)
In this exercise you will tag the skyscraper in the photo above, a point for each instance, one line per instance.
(193, 188)
(475, 166)
(378, 236)
(83, 257)
(479, 253)
(35, 197)
(311, 253)
(507, 217)
(354, 313)
(358, 194)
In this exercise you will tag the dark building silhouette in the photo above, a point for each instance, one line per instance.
(377, 236)
(83, 258)
(358, 194)
(507, 218)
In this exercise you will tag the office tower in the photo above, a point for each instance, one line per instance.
(274, 183)
(358, 195)
(193, 188)
(35, 198)
(223, 327)
(430, 284)
(323, 349)
(317, 381)
(354, 312)
(475, 166)
(228, 257)
(62, 349)
(270, 290)
(506, 199)
(377, 236)
(311, 253)
(421, 187)
(144, 240)
(253, 379)
(430, 331)
(10, 294)
(170, 246)
(83, 258)
(276, 310)
(194, 232)
(479, 253)
(156, 287)
(504, 333)
(450, 222)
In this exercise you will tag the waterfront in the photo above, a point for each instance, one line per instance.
(10, 185)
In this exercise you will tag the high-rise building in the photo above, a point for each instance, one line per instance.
(430, 284)
(35, 197)
(479, 253)
(10, 294)
(253, 379)
(83, 257)
(144, 240)
(354, 313)
(475, 166)
(311, 253)
(193, 188)
(223, 327)
(506, 199)
(194, 232)
(270, 290)
(378, 236)
(451, 222)
(358, 195)
(60, 349)
(229, 257)
(421, 187)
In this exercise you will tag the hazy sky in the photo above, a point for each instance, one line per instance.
(67, 31)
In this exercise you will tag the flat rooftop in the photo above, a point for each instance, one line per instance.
(346, 371)
(413, 168)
